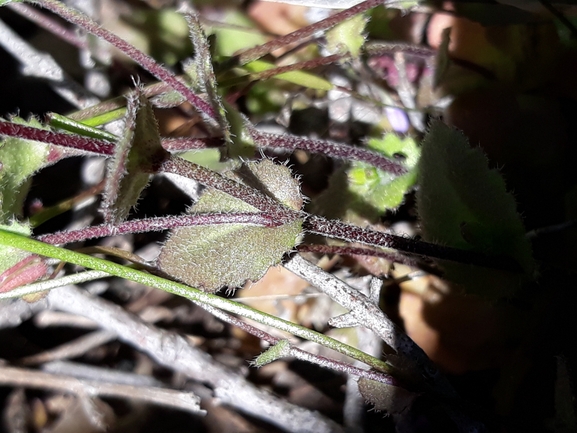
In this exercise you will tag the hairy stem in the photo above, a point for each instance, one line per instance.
(356, 251)
(84, 22)
(247, 194)
(350, 233)
(156, 224)
(301, 34)
(86, 144)
(329, 148)
(48, 23)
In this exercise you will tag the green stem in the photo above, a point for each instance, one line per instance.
(17, 241)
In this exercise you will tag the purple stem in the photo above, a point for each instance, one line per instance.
(74, 141)
(245, 193)
(48, 23)
(298, 35)
(356, 251)
(75, 17)
(181, 144)
(156, 225)
(94, 145)
(328, 148)
(350, 233)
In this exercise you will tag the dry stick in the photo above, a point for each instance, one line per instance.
(91, 372)
(34, 379)
(414, 363)
(354, 408)
(364, 312)
(75, 17)
(38, 64)
(175, 352)
(298, 35)
(13, 313)
(47, 318)
(71, 349)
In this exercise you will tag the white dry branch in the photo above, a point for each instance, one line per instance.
(177, 353)
(42, 65)
(90, 372)
(22, 377)
(71, 349)
(364, 311)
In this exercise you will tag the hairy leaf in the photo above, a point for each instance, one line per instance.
(227, 255)
(391, 399)
(464, 204)
(277, 351)
(202, 72)
(19, 160)
(136, 156)
(348, 36)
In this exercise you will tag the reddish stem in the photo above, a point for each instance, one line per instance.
(329, 148)
(245, 193)
(281, 214)
(356, 251)
(350, 233)
(74, 141)
(308, 31)
(48, 23)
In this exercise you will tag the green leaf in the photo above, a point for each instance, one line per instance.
(391, 399)
(104, 118)
(67, 124)
(9, 256)
(301, 78)
(136, 155)
(19, 160)
(348, 36)
(227, 255)
(279, 350)
(381, 190)
(464, 204)
(241, 143)
(201, 71)
(233, 38)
